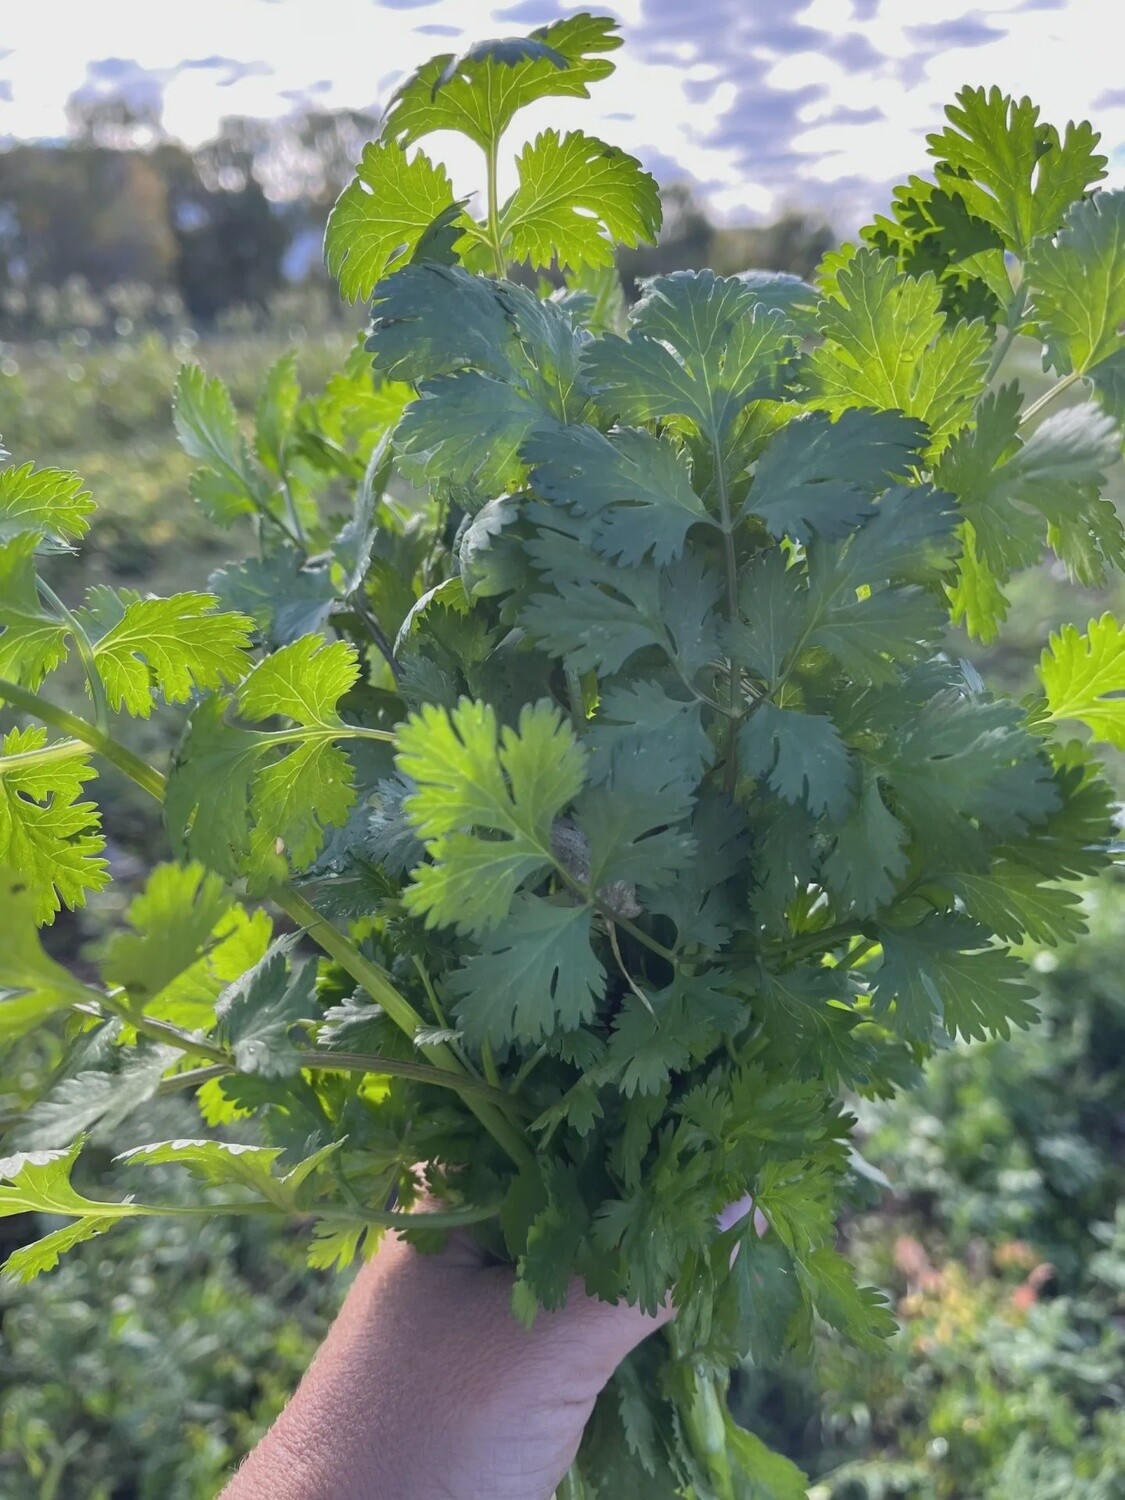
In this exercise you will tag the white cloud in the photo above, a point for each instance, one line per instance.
(764, 105)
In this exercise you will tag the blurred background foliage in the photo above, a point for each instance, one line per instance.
(988, 1203)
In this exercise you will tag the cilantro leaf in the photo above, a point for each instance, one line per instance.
(256, 1012)
(886, 345)
(633, 489)
(638, 725)
(1015, 497)
(39, 1182)
(207, 427)
(304, 681)
(1083, 677)
(466, 429)
(285, 596)
(862, 1313)
(173, 647)
(598, 615)
(381, 215)
(33, 640)
(429, 320)
(46, 833)
(33, 987)
(577, 198)
(963, 763)
(801, 756)
(52, 503)
(1009, 169)
(232, 1164)
(478, 93)
(276, 414)
(821, 475)
(1012, 901)
(701, 346)
(704, 902)
(536, 973)
(471, 775)
(631, 837)
(1060, 472)
(868, 856)
(94, 1098)
(238, 807)
(184, 934)
(945, 969)
(1078, 287)
(787, 293)
(1074, 838)
(681, 1024)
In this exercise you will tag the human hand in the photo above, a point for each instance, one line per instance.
(427, 1388)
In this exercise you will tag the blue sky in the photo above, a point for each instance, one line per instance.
(765, 104)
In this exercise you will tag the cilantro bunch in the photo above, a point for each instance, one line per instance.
(607, 748)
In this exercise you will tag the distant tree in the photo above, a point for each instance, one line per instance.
(85, 210)
(689, 241)
(795, 242)
(115, 122)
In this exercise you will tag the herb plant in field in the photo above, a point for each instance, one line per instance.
(585, 727)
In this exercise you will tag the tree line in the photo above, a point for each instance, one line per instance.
(229, 223)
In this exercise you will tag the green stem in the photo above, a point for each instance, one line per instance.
(192, 1078)
(527, 1068)
(394, 1067)
(347, 1062)
(305, 916)
(438, 1218)
(1013, 319)
(858, 953)
(488, 1063)
(573, 1487)
(378, 985)
(167, 1034)
(265, 514)
(146, 776)
(495, 236)
(23, 759)
(575, 698)
(704, 1421)
(814, 942)
(668, 954)
(431, 993)
(730, 558)
(1048, 396)
(85, 652)
(301, 734)
(291, 512)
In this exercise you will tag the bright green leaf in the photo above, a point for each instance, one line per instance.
(52, 503)
(1078, 286)
(33, 987)
(381, 215)
(478, 93)
(1083, 677)
(1009, 169)
(577, 198)
(46, 833)
(173, 647)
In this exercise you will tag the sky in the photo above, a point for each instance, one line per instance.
(765, 105)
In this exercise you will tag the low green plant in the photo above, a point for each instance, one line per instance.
(147, 1367)
(618, 774)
